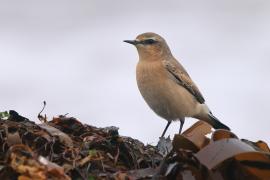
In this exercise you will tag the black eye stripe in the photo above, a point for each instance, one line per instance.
(149, 41)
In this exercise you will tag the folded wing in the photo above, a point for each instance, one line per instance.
(181, 77)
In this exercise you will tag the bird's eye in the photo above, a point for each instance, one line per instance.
(149, 41)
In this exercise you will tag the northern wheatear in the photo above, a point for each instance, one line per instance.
(166, 86)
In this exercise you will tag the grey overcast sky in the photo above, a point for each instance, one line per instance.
(71, 54)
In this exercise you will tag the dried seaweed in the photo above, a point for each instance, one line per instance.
(64, 148)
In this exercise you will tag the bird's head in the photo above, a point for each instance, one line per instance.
(150, 46)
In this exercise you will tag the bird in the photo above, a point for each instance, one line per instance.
(166, 86)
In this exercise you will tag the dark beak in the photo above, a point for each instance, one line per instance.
(134, 42)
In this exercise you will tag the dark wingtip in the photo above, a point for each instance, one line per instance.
(217, 124)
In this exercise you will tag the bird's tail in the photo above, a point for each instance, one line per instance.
(216, 123)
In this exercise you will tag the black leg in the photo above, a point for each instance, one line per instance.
(182, 120)
(168, 124)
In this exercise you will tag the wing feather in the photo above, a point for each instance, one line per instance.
(182, 78)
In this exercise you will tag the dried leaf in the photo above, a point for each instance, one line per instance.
(245, 166)
(181, 142)
(257, 163)
(53, 169)
(23, 161)
(13, 138)
(196, 133)
(218, 151)
(63, 137)
(263, 146)
(222, 134)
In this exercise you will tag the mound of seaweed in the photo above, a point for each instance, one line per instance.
(64, 148)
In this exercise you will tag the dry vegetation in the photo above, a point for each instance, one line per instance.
(64, 148)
